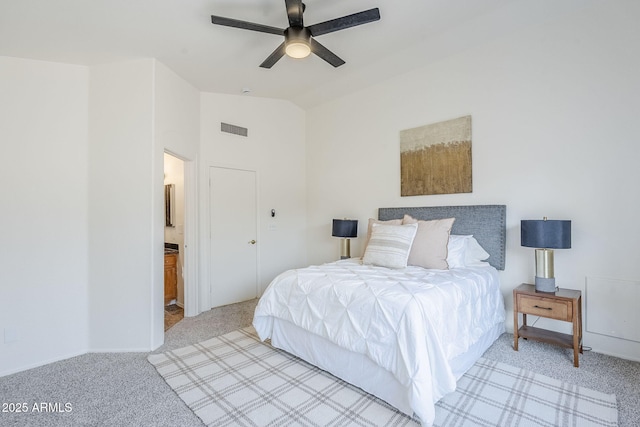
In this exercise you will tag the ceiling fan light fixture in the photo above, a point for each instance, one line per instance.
(298, 50)
(297, 42)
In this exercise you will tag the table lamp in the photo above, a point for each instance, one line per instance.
(345, 228)
(545, 235)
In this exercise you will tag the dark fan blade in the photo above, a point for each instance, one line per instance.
(325, 54)
(344, 22)
(229, 22)
(274, 57)
(295, 8)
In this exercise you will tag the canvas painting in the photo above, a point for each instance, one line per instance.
(436, 158)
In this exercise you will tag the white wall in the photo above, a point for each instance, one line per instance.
(554, 134)
(122, 264)
(177, 114)
(275, 148)
(177, 131)
(139, 110)
(44, 273)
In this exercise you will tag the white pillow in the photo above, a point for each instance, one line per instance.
(475, 254)
(456, 249)
(389, 245)
(465, 251)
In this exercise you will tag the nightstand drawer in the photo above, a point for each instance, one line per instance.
(545, 307)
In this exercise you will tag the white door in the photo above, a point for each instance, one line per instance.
(232, 202)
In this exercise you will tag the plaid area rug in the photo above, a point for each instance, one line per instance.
(236, 380)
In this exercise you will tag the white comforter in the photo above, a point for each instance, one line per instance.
(411, 322)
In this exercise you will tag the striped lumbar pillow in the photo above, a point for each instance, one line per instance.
(389, 245)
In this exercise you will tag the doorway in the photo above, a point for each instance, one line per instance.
(174, 172)
(233, 237)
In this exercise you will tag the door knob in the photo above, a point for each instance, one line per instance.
(253, 242)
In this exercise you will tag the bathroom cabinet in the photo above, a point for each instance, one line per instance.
(170, 277)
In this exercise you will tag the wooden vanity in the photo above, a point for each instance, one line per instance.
(170, 276)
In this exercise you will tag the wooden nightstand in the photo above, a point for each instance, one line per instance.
(564, 304)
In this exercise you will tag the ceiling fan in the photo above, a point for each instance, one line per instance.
(299, 40)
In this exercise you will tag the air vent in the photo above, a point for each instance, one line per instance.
(233, 129)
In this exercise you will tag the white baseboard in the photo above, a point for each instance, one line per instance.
(69, 356)
(120, 350)
(41, 363)
(613, 354)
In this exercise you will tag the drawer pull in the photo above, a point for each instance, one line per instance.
(544, 308)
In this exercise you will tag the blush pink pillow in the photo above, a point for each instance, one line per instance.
(429, 249)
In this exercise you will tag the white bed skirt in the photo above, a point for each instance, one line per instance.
(359, 370)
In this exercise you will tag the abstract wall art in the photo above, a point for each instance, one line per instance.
(436, 158)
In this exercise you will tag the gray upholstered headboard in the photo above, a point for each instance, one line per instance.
(487, 223)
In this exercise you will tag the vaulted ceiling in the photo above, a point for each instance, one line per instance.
(179, 33)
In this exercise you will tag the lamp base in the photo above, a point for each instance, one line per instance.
(345, 249)
(545, 284)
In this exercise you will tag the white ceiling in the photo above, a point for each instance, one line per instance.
(220, 59)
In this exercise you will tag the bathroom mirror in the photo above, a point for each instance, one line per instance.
(169, 195)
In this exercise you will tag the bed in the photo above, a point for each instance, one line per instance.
(405, 335)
